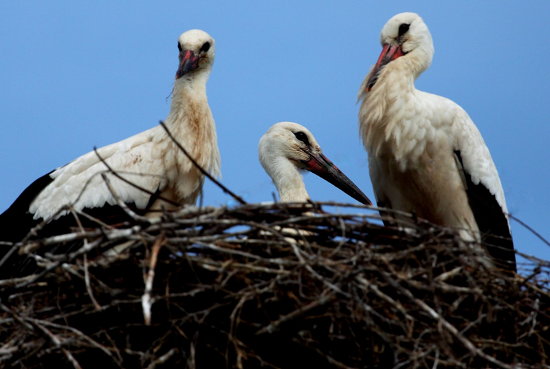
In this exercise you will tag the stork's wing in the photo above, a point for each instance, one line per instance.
(87, 182)
(83, 184)
(485, 193)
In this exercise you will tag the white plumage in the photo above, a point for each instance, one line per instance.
(288, 148)
(426, 156)
(149, 159)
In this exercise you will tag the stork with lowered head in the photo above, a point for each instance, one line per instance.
(288, 148)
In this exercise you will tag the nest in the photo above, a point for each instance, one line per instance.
(271, 286)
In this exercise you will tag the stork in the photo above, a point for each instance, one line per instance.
(426, 156)
(286, 149)
(147, 172)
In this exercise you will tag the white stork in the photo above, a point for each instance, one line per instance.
(158, 174)
(286, 149)
(426, 156)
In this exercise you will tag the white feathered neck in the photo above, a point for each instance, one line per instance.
(392, 116)
(190, 121)
(287, 179)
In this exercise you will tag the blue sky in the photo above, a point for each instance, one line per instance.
(74, 75)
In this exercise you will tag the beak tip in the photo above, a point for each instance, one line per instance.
(324, 168)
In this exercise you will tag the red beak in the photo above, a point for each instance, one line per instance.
(389, 53)
(188, 62)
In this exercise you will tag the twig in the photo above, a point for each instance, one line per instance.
(146, 299)
(529, 228)
(163, 359)
(57, 343)
(132, 214)
(322, 300)
(88, 285)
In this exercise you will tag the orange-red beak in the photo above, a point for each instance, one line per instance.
(188, 62)
(389, 53)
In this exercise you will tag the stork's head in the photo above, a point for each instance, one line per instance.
(405, 36)
(196, 52)
(288, 145)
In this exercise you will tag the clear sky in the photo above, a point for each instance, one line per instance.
(74, 75)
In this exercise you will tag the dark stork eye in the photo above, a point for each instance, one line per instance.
(205, 47)
(302, 137)
(179, 46)
(403, 28)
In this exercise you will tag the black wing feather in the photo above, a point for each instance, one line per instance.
(491, 221)
(16, 221)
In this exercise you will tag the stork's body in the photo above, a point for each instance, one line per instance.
(149, 160)
(426, 156)
(288, 148)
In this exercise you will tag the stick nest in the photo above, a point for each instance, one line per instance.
(271, 286)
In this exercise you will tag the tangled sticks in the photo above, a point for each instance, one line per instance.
(274, 286)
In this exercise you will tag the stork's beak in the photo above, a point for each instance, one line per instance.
(324, 168)
(188, 62)
(389, 53)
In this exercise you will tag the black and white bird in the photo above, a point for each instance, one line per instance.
(426, 156)
(147, 171)
(288, 148)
